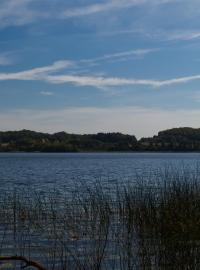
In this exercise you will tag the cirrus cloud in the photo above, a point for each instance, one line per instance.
(46, 74)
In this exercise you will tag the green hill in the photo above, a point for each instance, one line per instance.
(175, 140)
(31, 141)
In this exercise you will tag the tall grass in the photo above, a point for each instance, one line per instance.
(130, 227)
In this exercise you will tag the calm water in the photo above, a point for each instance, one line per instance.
(69, 170)
(65, 172)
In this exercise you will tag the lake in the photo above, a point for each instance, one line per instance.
(64, 232)
(69, 170)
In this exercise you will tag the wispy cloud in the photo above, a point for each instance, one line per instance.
(80, 65)
(165, 35)
(120, 55)
(158, 34)
(183, 35)
(15, 12)
(22, 12)
(46, 74)
(8, 58)
(38, 73)
(107, 6)
(113, 57)
(46, 93)
(97, 8)
(100, 82)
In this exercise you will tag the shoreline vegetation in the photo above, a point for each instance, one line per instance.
(173, 140)
(137, 226)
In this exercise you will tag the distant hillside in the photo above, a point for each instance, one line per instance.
(175, 140)
(31, 141)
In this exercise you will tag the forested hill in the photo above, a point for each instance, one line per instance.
(31, 141)
(177, 139)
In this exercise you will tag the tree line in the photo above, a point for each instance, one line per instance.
(175, 140)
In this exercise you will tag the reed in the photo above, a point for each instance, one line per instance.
(134, 226)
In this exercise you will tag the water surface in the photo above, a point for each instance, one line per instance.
(41, 171)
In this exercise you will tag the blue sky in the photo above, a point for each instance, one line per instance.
(85, 66)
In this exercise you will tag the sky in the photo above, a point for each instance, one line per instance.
(88, 66)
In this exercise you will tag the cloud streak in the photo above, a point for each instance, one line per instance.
(46, 74)
(120, 55)
(100, 82)
(46, 93)
(16, 12)
(22, 12)
(107, 6)
(183, 35)
(98, 8)
(38, 73)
